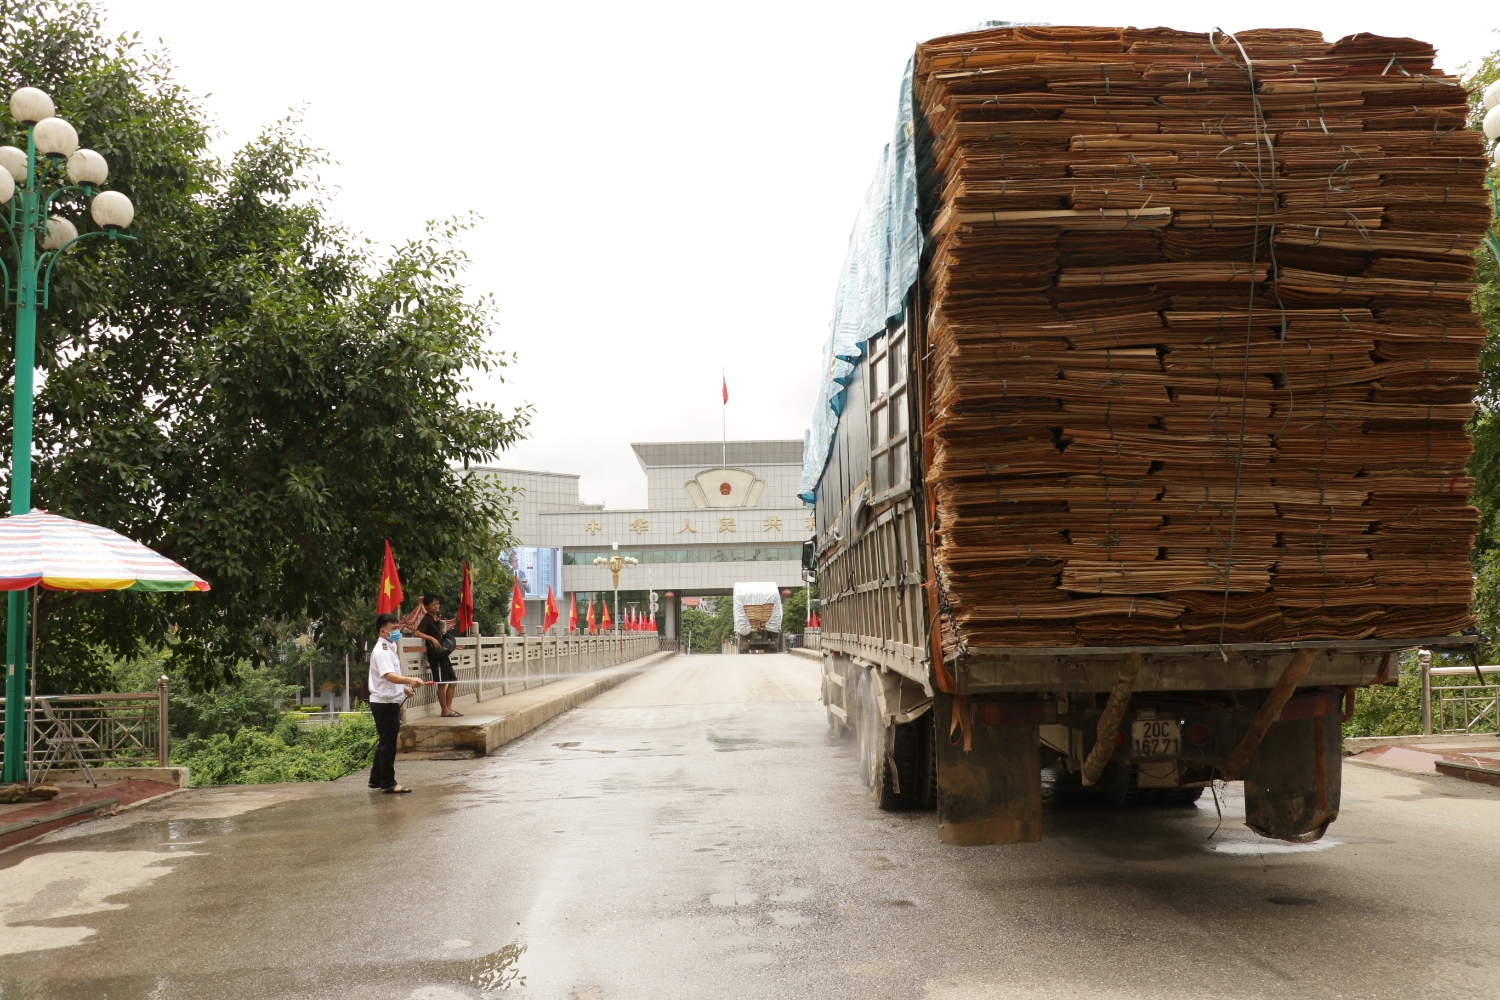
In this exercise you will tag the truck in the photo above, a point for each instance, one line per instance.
(1139, 444)
(757, 617)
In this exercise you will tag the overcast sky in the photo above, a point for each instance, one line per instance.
(666, 189)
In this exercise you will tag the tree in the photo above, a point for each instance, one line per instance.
(1485, 428)
(248, 389)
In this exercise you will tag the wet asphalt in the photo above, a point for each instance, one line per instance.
(697, 833)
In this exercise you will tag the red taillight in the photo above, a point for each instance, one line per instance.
(1199, 735)
(1119, 738)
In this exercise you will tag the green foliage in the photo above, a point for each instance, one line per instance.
(254, 756)
(794, 610)
(708, 631)
(248, 389)
(253, 696)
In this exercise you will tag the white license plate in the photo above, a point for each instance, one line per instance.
(1155, 738)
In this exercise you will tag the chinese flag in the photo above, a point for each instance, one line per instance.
(572, 612)
(517, 607)
(604, 618)
(466, 605)
(549, 617)
(389, 597)
(592, 629)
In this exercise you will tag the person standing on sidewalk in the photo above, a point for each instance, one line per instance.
(389, 687)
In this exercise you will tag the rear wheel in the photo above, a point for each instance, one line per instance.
(907, 778)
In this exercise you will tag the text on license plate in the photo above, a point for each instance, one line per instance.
(1155, 738)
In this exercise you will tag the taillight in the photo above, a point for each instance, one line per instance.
(1198, 735)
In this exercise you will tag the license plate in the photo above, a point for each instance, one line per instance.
(1155, 738)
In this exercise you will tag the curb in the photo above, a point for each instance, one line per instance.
(485, 737)
(811, 654)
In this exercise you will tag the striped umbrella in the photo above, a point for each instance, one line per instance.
(62, 554)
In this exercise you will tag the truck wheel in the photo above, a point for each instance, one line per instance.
(1118, 784)
(867, 729)
(906, 765)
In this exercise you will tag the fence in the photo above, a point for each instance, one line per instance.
(812, 638)
(1468, 709)
(490, 666)
(104, 728)
(1458, 708)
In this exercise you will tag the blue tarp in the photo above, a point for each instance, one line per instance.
(885, 249)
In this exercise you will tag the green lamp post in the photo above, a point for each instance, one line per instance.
(25, 214)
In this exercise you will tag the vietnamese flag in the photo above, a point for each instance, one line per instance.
(549, 616)
(651, 625)
(466, 605)
(517, 607)
(592, 629)
(572, 613)
(604, 618)
(389, 597)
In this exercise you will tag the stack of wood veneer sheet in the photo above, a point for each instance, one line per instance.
(1193, 336)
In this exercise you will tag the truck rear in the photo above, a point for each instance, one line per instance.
(1142, 444)
(757, 617)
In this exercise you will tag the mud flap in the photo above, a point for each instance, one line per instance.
(1292, 781)
(993, 793)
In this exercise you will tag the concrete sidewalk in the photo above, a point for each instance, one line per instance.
(494, 722)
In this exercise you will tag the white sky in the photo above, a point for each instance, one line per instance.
(667, 189)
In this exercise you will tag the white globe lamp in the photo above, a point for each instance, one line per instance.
(30, 106)
(112, 210)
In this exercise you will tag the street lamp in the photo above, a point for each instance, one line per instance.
(616, 562)
(26, 216)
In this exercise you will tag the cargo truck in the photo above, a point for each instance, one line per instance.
(1067, 513)
(757, 617)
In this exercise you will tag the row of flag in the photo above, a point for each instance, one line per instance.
(389, 598)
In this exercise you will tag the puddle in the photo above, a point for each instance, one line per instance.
(49, 887)
(733, 898)
(789, 918)
(1262, 846)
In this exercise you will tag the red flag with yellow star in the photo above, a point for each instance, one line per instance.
(517, 607)
(604, 622)
(388, 599)
(572, 612)
(593, 628)
(549, 617)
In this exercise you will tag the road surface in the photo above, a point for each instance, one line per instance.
(695, 833)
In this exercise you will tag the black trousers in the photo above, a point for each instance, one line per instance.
(387, 725)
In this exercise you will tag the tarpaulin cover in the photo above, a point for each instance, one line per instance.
(881, 264)
(752, 594)
(885, 252)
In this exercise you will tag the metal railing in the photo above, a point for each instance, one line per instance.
(104, 728)
(1470, 708)
(491, 666)
(1456, 709)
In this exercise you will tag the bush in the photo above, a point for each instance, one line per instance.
(253, 756)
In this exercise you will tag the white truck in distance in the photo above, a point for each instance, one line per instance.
(757, 617)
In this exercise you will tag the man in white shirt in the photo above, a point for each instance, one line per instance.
(389, 687)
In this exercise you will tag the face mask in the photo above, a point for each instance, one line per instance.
(395, 635)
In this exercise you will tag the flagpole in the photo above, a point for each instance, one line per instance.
(724, 417)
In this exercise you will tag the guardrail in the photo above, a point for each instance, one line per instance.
(101, 728)
(1466, 708)
(812, 638)
(1459, 708)
(490, 666)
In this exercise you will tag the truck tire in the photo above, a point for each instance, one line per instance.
(906, 766)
